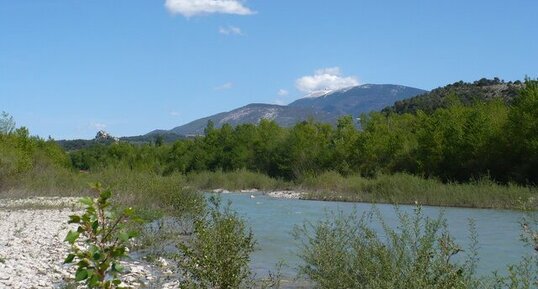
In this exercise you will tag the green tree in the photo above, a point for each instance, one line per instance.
(307, 149)
(344, 146)
(267, 150)
(521, 138)
(7, 124)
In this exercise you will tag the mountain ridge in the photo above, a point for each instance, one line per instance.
(326, 107)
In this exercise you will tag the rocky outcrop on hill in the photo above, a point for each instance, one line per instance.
(103, 136)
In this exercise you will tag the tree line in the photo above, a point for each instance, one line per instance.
(459, 142)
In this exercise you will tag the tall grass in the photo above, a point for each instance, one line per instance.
(408, 189)
(235, 180)
(147, 192)
(152, 190)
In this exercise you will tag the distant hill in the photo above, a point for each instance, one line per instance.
(102, 137)
(326, 106)
(468, 93)
(284, 115)
(105, 139)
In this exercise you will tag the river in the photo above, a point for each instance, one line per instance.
(272, 221)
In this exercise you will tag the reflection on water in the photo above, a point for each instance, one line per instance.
(272, 221)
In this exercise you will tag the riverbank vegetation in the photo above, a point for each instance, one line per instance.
(482, 154)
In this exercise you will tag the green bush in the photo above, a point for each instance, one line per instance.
(104, 242)
(218, 255)
(346, 251)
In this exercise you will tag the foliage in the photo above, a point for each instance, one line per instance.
(22, 154)
(219, 254)
(104, 241)
(347, 251)
(521, 138)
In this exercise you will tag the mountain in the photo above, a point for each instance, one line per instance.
(283, 115)
(356, 100)
(325, 106)
(467, 92)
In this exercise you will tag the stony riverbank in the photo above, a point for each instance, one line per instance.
(284, 194)
(32, 248)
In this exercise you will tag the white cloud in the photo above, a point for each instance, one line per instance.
(190, 8)
(230, 30)
(325, 79)
(282, 92)
(224, 86)
(174, 113)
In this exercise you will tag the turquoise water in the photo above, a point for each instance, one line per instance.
(272, 221)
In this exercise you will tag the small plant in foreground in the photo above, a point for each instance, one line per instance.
(219, 254)
(104, 241)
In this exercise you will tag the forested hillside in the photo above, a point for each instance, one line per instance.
(467, 93)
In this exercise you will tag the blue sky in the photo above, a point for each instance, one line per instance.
(70, 67)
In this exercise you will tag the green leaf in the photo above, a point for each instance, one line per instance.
(87, 201)
(128, 212)
(117, 267)
(96, 256)
(118, 252)
(83, 263)
(69, 258)
(93, 248)
(104, 266)
(93, 282)
(71, 237)
(106, 194)
(74, 219)
(81, 274)
(95, 225)
(124, 236)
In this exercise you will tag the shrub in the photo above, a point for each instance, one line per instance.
(218, 255)
(104, 240)
(346, 251)
(524, 275)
